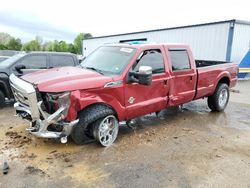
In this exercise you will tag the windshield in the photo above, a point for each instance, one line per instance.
(11, 60)
(109, 59)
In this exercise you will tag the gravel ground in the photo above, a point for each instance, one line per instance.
(188, 147)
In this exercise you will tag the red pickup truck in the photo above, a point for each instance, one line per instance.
(115, 84)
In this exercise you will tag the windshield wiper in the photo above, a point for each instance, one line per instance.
(95, 69)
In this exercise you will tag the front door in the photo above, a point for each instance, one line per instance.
(141, 99)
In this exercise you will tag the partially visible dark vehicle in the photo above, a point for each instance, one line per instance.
(8, 53)
(2, 58)
(23, 63)
(5, 54)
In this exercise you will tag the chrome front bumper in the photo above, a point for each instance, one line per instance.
(39, 127)
(29, 108)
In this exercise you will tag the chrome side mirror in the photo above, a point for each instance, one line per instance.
(143, 76)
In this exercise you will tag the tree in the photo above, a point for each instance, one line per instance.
(3, 47)
(39, 40)
(63, 46)
(11, 43)
(33, 45)
(71, 48)
(4, 38)
(7, 42)
(78, 41)
(14, 44)
(87, 36)
(54, 46)
(46, 46)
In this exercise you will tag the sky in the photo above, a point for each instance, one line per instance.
(63, 20)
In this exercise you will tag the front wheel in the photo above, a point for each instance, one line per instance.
(218, 101)
(106, 130)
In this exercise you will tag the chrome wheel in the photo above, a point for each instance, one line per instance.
(223, 97)
(106, 130)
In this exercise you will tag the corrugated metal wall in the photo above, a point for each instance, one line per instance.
(207, 41)
(241, 42)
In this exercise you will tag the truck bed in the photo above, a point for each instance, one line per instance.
(206, 63)
(208, 73)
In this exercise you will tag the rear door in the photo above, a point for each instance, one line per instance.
(61, 60)
(142, 99)
(183, 82)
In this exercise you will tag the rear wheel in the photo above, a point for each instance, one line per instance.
(2, 99)
(106, 130)
(218, 101)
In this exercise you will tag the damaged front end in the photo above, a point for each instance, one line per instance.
(46, 112)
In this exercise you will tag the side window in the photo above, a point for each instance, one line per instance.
(34, 62)
(152, 58)
(179, 60)
(62, 61)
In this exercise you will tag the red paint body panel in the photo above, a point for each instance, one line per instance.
(147, 99)
(208, 78)
(167, 89)
(66, 79)
(113, 97)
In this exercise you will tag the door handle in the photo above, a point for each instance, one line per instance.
(191, 78)
(165, 82)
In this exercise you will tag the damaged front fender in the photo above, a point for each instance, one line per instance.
(80, 100)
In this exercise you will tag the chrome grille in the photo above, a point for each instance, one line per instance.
(19, 96)
(25, 94)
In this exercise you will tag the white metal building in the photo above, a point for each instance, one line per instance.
(225, 40)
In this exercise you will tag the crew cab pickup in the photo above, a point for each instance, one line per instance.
(24, 63)
(114, 85)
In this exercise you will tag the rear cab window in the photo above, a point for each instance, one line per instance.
(61, 60)
(179, 59)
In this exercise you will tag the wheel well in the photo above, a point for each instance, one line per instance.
(101, 104)
(225, 80)
(2, 88)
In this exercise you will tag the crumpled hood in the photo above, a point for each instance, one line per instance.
(66, 79)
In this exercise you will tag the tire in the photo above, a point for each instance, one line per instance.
(106, 130)
(2, 100)
(219, 100)
(83, 130)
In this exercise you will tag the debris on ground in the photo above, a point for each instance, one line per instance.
(16, 139)
(219, 156)
(54, 151)
(235, 90)
(5, 168)
(34, 171)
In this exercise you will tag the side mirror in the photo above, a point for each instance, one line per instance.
(19, 68)
(81, 59)
(143, 76)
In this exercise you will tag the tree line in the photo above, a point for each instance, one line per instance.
(8, 42)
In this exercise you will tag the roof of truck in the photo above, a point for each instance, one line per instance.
(139, 45)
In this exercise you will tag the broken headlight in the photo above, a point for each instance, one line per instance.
(54, 101)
